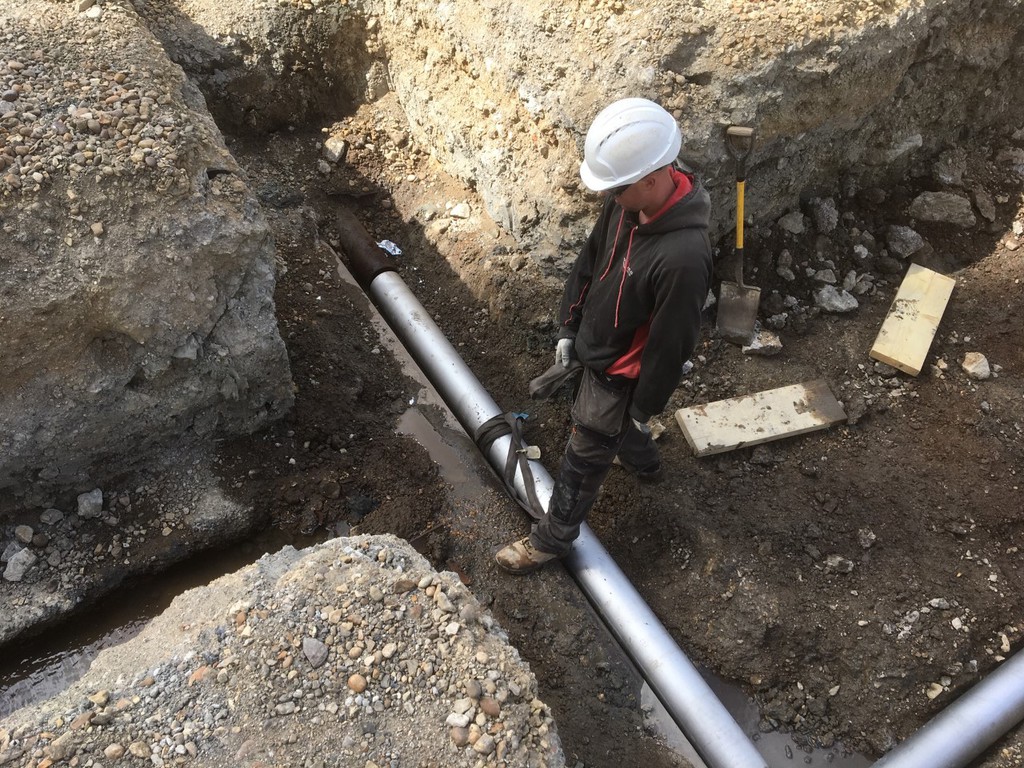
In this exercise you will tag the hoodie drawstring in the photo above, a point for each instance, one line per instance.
(615, 244)
(625, 271)
(625, 262)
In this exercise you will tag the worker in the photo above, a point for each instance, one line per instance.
(630, 313)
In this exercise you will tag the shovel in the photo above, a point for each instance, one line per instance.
(737, 303)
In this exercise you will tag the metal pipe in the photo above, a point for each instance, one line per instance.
(705, 721)
(951, 740)
(968, 726)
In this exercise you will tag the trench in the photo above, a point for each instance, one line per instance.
(35, 671)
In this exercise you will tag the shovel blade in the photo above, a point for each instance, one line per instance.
(737, 312)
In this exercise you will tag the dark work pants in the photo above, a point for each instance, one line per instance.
(588, 457)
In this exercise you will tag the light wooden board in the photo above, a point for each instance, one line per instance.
(907, 331)
(759, 418)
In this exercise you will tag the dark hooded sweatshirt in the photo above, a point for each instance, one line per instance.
(634, 298)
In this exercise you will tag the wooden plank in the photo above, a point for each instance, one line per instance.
(759, 418)
(908, 330)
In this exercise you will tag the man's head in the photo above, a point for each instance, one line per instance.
(628, 141)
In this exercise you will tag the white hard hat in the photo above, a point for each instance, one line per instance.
(627, 140)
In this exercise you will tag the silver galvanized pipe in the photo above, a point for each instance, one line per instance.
(715, 735)
(951, 740)
(969, 725)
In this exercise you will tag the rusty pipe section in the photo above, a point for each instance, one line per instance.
(705, 721)
(968, 726)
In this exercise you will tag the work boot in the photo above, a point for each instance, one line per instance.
(521, 557)
(649, 475)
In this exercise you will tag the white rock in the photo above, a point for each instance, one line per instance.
(976, 366)
(18, 565)
(765, 344)
(831, 300)
(335, 149)
(460, 211)
(456, 720)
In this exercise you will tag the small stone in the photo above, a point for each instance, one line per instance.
(943, 207)
(51, 517)
(460, 736)
(836, 301)
(838, 564)
(490, 707)
(824, 214)
(976, 365)
(825, 276)
(335, 149)
(458, 720)
(903, 241)
(484, 745)
(983, 202)
(793, 223)
(764, 344)
(357, 683)
(315, 651)
(404, 585)
(97, 228)
(19, 565)
(113, 751)
(140, 749)
(23, 533)
(934, 690)
(460, 211)
(90, 505)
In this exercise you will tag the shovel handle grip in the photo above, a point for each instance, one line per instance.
(739, 142)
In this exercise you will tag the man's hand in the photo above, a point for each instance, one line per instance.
(565, 352)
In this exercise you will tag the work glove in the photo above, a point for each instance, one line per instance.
(642, 426)
(565, 351)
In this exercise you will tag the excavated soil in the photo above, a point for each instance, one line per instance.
(918, 494)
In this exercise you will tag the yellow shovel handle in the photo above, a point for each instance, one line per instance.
(740, 186)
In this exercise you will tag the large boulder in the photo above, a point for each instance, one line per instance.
(136, 268)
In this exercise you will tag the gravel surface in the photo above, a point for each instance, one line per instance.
(114, 116)
(353, 652)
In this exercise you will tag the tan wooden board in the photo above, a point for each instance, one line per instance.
(725, 425)
(906, 334)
